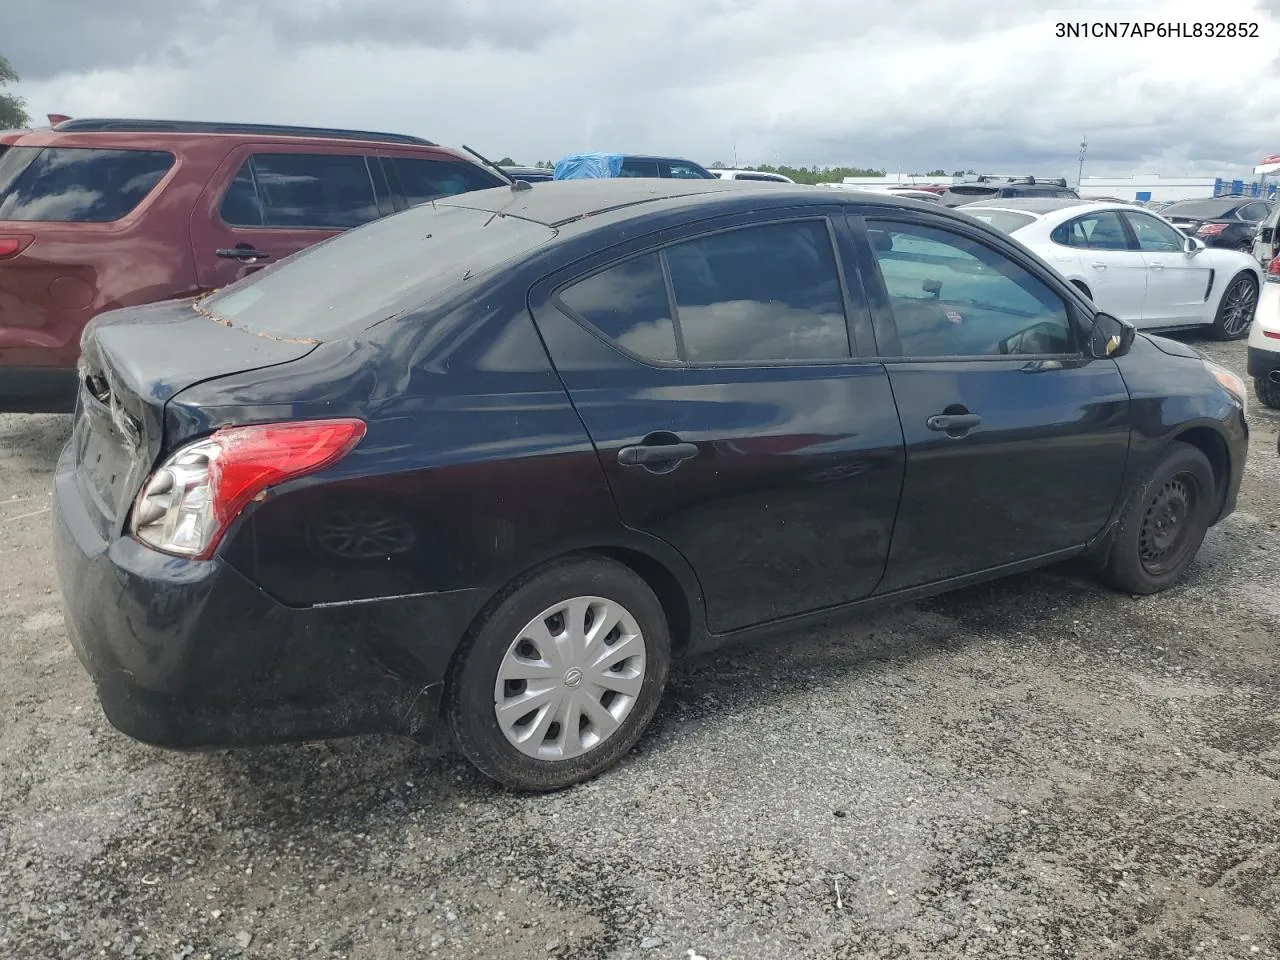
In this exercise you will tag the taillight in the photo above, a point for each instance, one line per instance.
(1210, 229)
(1273, 270)
(187, 504)
(12, 246)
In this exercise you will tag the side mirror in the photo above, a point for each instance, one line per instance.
(1192, 245)
(1110, 337)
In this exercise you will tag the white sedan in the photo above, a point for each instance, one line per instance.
(1133, 264)
(1264, 340)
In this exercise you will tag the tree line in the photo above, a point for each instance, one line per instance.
(808, 175)
(13, 109)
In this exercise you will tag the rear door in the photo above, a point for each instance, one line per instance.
(1177, 281)
(1016, 440)
(1112, 267)
(716, 369)
(268, 201)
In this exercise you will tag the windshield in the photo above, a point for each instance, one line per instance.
(1200, 209)
(382, 269)
(1004, 220)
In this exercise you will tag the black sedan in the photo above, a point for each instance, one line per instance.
(488, 465)
(1227, 222)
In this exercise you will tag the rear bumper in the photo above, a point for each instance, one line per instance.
(190, 654)
(1262, 363)
(37, 389)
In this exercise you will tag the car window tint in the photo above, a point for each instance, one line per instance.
(240, 204)
(1094, 231)
(685, 171)
(424, 179)
(315, 190)
(1253, 212)
(955, 297)
(639, 168)
(628, 303)
(760, 293)
(1006, 221)
(1153, 235)
(75, 184)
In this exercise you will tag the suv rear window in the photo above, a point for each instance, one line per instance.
(355, 279)
(77, 184)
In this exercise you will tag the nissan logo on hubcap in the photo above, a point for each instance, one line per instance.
(573, 677)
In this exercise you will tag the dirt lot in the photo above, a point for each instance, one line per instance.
(1034, 768)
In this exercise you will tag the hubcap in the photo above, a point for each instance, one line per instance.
(1166, 529)
(1240, 302)
(570, 678)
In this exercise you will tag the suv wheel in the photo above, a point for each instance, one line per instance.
(1163, 523)
(1268, 392)
(561, 677)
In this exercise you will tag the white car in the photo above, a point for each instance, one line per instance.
(759, 175)
(1264, 340)
(1134, 264)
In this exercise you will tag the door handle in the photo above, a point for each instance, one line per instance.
(954, 423)
(1155, 266)
(656, 454)
(242, 251)
(1098, 266)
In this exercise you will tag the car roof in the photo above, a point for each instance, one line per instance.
(125, 125)
(1038, 205)
(559, 202)
(171, 139)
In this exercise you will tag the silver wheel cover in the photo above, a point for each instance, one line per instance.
(570, 678)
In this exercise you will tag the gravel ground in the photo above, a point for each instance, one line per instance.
(1035, 767)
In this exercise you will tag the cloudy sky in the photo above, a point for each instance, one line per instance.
(906, 85)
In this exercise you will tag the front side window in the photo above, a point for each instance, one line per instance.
(324, 191)
(750, 295)
(76, 184)
(1253, 212)
(955, 297)
(1095, 231)
(422, 180)
(1153, 235)
(685, 171)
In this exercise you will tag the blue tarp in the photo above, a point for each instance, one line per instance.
(588, 166)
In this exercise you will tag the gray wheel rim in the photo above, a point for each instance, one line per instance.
(1238, 303)
(570, 678)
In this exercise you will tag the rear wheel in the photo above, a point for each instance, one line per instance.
(1163, 523)
(562, 676)
(1235, 309)
(1268, 392)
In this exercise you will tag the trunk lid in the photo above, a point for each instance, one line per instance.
(132, 363)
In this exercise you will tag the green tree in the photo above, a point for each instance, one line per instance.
(936, 173)
(13, 112)
(818, 174)
(507, 162)
(718, 165)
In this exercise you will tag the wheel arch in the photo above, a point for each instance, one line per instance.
(1214, 446)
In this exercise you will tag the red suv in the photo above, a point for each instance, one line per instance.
(97, 214)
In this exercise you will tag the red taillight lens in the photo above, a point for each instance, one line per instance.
(187, 504)
(12, 246)
(1273, 269)
(1210, 229)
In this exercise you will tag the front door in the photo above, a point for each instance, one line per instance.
(1177, 281)
(267, 202)
(718, 378)
(1016, 442)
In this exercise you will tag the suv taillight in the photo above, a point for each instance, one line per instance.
(187, 504)
(1210, 229)
(1273, 270)
(12, 246)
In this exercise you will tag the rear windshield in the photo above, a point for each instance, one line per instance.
(371, 273)
(75, 184)
(1004, 220)
(1200, 209)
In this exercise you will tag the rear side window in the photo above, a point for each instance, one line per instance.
(360, 277)
(422, 180)
(1094, 231)
(681, 170)
(756, 294)
(74, 184)
(325, 191)
(639, 168)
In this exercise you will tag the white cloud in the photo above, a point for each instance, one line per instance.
(913, 84)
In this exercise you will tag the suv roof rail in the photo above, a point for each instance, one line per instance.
(92, 124)
(1031, 181)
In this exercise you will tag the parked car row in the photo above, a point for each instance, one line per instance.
(486, 466)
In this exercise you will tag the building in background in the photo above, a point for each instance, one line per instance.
(1154, 187)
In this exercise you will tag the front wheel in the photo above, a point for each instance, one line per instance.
(561, 677)
(1235, 309)
(1163, 523)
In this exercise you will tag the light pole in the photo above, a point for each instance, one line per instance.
(1084, 146)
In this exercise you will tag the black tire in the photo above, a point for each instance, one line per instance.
(1268, 392)
(470, 693)
(1181, 482)
(1226, 325)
